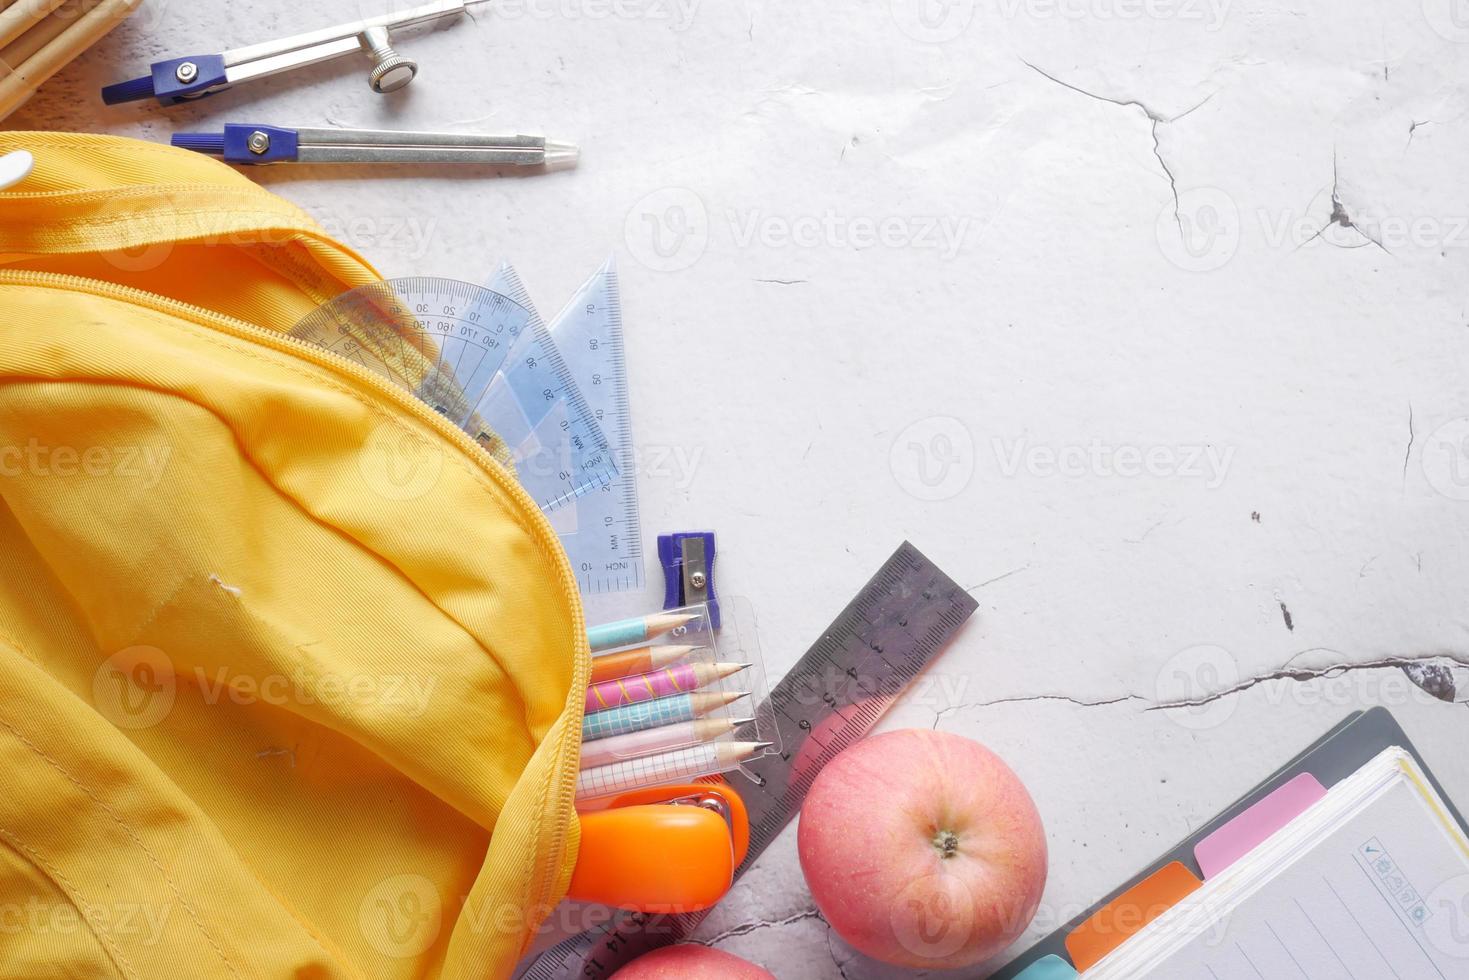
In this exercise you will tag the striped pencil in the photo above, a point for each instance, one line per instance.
(651, 741)
(678, 679)
(654, 714)
(638, 630)
(609, 666)
(667, 767)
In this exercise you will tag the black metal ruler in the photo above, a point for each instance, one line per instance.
(887, 634)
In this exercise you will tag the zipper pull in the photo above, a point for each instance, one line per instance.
(15, 167)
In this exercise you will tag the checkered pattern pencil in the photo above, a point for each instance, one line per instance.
(652, 714)
(669, 767)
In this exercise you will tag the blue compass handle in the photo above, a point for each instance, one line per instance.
(172, 81)
(276, 144)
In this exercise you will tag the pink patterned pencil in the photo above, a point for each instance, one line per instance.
(679, 679)
(651, 741)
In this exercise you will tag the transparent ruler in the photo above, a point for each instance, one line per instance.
(601, 530)
(833, 696)
(483, 360)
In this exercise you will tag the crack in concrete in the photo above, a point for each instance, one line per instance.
(832, 952)
(1018, 699)
(1144, 536)
(998, 578)
(1168, 171)
(1435, 680)
(745, 928)
(1340, 216)
(1413, 125)
(1408, 453)
(1155, 118)
(1300, 674)
(1434, 669)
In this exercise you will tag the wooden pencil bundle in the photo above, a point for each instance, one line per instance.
(40, 37)
(645, 705)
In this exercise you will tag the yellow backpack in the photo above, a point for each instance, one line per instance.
(290, 670)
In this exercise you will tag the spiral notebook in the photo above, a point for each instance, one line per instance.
(1347, 865)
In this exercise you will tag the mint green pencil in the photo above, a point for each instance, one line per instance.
(636, 630)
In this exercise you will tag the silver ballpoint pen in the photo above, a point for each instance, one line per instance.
(246, 143)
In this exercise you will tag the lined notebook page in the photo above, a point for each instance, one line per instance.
(1381, 895)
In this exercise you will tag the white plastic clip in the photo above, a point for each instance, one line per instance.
(15, 167)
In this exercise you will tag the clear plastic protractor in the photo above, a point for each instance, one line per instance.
(441, 339)
(481, 360)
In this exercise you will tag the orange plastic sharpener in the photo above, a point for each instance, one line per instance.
(663, 849)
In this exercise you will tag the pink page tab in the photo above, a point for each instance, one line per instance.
(1257, 824)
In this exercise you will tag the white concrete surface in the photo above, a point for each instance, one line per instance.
(1145, 317)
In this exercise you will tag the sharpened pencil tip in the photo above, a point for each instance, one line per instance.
(660, 623)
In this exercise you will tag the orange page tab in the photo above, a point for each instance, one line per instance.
(1123, 918)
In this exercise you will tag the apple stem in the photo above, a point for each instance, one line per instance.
(946, 842)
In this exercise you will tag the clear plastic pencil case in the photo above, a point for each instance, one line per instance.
(678, 707)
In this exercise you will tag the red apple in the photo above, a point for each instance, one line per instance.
(690, 962)
(923, 849)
